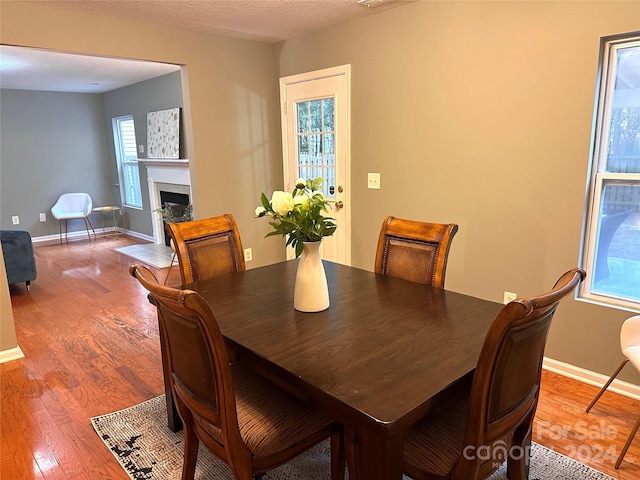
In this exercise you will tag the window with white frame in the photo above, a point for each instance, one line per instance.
(611, 238)
(126, 155)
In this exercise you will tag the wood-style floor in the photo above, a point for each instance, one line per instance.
(90, 340)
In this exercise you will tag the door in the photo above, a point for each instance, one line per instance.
(315, 142)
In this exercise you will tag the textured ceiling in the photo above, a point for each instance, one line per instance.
(263, 20)
(34, 69)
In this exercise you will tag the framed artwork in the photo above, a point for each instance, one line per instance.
(163, 134)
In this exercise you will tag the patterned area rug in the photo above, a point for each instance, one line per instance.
(140, 440)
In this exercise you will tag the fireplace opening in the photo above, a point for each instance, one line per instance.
(178, 205)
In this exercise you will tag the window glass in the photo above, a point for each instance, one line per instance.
(316, 134)
(611, 238)
(127, 158)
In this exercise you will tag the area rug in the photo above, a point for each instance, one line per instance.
(158, 256)
(145, 447)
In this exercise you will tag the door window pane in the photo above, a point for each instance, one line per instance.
(316, 142)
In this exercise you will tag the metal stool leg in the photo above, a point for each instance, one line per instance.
(606, 385)
(173, 257)
(86, 220)
(626, 445)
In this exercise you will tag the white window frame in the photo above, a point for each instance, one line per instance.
(598, 178)
(127, 162)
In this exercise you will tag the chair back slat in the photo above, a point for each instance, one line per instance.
(207, 248)
(506, 382)
(414, 251)
(196, 352)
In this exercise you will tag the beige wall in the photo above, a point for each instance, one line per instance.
(479, 113)
(231, 109)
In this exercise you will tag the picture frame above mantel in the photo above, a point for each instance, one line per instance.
(163, 134)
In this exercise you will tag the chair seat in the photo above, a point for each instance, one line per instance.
(630, 340)
(67, 215)
(436, 442)
(260, 403)
(633, 354)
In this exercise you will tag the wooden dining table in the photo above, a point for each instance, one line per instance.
(384, 354)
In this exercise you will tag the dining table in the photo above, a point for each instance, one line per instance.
(384, 354)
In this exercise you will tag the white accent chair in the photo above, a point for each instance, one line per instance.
(73, 206)
(630, 346)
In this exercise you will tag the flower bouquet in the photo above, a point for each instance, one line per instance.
(299, 214)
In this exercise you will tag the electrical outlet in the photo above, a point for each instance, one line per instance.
(509, 297)
(248, 256)
(140, 148)
(373, 180)
(43, 217)
(15, 219)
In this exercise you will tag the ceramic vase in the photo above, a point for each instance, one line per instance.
(311, 293)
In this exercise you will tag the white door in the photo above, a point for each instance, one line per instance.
(315, 140)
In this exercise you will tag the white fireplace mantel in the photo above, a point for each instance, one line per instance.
(164, 172)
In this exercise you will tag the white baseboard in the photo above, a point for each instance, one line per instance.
(82, 234)
(11, 354)
(592, 378)
(141, 236)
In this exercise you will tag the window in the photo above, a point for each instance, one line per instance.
(125, 142)
(611, 238)
(316, 152)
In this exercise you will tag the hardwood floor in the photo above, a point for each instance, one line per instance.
(90, 340)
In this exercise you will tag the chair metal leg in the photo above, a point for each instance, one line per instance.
(87, 224)
(626, 445)
(173, 257)
(60, 230)
(606, 385)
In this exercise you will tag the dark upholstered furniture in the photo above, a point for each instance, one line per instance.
(19, 260)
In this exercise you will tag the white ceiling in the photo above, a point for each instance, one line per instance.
(263, 20)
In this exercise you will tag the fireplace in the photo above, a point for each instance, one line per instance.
(167, 176)
(177, 204)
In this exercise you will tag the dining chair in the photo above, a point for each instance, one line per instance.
(477, 431)
(630, 346)
(207, 248)
(413, 250)
(70, 206)
(248, 422)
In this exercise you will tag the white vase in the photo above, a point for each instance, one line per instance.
(311, 293)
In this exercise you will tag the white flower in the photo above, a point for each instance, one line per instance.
(281, 202)
(300, 183)
(260, 211)
(300, 199)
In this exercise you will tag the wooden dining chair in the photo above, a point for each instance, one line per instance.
(248, 422)
(472, 436)
(207, 248)
(413, 250)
